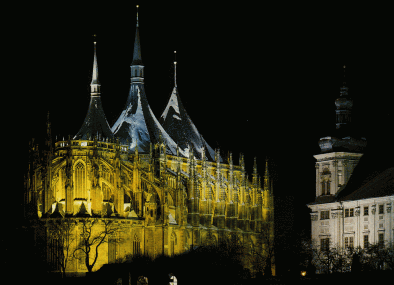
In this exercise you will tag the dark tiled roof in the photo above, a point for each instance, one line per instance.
(182, 130)
(95, 123)
(323, 199)
(380, 185)
(138, 123)
(137, 59)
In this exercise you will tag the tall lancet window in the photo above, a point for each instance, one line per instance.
(80, 181)
(107, 194)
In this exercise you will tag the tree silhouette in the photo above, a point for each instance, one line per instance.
(61, 238)
(93, 232)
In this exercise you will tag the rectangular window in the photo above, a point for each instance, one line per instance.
(349, 212)
(381, 240)
(348, 242)
(366, 211)
(325, 244)
(381, 209)
(324, 215)
(366, 243)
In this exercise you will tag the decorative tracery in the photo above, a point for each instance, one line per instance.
(80, 181)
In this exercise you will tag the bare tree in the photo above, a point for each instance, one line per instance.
(261, 255)
(93, 232)
(334, 258)
(61, 237)
(379, 256)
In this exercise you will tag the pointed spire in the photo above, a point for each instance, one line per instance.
(95, 84)
(344, 89)
(137, 60)
(241, 161)
(266, 167)
(49, 135)
(255, 167)
(344, 105)
(266, 175)
(95, 120)
(175, 70)
(137, 16)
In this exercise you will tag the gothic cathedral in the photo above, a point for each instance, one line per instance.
(157, 180)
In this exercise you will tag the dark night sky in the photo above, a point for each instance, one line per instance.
(257, 80)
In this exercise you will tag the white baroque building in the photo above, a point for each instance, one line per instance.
(350, 210)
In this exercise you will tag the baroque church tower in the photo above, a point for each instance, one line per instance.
(339, 156)
(142, 186)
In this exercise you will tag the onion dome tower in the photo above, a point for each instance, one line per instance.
(95, 123)
(344, 139)
(137, 125)
(180, 127)
(344, 105)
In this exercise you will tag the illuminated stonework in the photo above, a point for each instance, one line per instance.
(167, 203)
(164, 199)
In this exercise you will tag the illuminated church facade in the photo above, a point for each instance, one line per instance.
(159, 179)
(350, 211)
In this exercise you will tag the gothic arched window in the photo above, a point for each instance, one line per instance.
(107, 194)
(80, 181)
(136, 245)
(172, 243)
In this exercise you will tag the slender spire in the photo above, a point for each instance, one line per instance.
(344, 88)
(137, 60)
(344, 105)
(49, 134)
(175, 70)
(95, 122)
(137, 16)
(255, 167)
(266, 176)
(95, 84)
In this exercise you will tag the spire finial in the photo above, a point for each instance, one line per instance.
(95, 84)
(137, 16)
(175, 68)
(255, 166)
(344, 76)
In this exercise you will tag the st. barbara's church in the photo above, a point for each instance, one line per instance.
(158, 179)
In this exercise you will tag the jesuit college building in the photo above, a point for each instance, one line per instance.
(347, 214)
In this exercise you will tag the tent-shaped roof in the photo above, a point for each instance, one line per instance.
(138, 125)
(180, 127)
